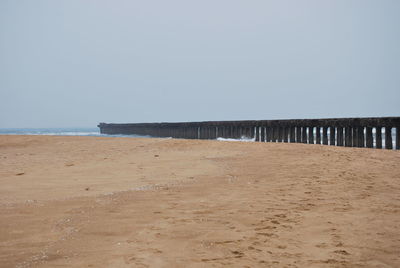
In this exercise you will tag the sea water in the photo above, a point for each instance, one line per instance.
(60, 132)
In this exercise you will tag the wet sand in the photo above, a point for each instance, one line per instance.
(125, 202)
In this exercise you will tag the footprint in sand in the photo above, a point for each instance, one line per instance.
(342, 252)
(238, 254)
(322, 245)
(264, 228)
(266, 234)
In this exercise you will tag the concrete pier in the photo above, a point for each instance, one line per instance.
(388, 138)
(262, 134)
(285, 134)
(361, 140)
(304, 135)
(332, 136)
(325, 135)
(378, 136)
(292, 136)
(348, 137)
(369, 138)
(311, 135)
(339, 138)
(318, 138)
(349, 132)
(298, 134)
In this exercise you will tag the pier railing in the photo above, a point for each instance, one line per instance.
(350, 132)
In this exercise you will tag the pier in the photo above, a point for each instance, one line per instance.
(372, 132)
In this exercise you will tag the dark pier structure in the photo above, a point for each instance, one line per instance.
(349, 132)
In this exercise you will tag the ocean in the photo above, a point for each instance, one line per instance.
(60, 132)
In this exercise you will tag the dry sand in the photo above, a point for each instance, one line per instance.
(125, 202)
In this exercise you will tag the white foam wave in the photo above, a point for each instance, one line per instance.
(243, 138)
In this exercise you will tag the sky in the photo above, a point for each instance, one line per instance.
(74, 63)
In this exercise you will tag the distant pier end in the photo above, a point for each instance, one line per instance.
(372, 132)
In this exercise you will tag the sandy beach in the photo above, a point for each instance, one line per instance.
(131, 202)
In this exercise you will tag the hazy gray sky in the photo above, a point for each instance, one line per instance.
(77, 63)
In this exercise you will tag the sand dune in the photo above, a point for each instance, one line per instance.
(125, 202)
